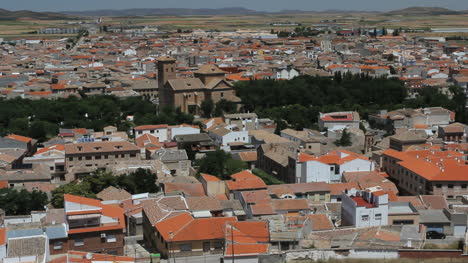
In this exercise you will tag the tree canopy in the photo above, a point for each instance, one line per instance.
(22, 202)
(41, 119)
(220, 164)
(140, 181)
(297, 102)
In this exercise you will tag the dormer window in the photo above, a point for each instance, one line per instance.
(80, 148)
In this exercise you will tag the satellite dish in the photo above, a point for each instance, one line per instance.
(89, 255)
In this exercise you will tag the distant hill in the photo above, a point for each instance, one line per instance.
(6, 15)
(164, 11)
(418, 10)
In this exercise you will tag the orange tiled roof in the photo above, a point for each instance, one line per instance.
(19, 138)
(245, 180)
(184, 227)
(106, 210)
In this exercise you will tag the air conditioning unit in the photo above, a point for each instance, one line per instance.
(103, 235)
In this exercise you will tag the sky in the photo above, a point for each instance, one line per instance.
(259, 5)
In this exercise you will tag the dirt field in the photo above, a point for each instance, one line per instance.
(25, 28)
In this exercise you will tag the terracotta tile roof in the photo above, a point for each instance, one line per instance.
(189, 189)
(204, 203)
(434, 201)
(262, 209)
(256, 197)
(185, 228)
(19, 138)
(337, 189)
(245, 180)
(112, 193)
(248, 231)
(147, 140)
(151, 127)
(106, 210)
(320, 222)
(55, 147)
(290, 204)
(100, 147)
(210, 178)
(248, 156)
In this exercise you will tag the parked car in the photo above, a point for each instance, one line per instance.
(434, 235)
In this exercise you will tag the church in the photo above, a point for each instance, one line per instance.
(209, 82)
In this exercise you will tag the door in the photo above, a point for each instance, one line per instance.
(206, 246)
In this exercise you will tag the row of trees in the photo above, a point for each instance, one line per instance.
(140, 181)
(41, 119)
(299, 101)
(210, 109)
(22, 202)
(296, 103)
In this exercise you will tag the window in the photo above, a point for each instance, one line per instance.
(70, 158)
(438, 186)
(79, 242)
(116, 156)
(132, 155)
(111, 239)
(140, 132)
(185, 247)
(58, 245)
(152, 131)
(378, 216)
(222, 94)
(122, 155)
(98, 157)
(331, 168)
(463, 186)
(450, 186)
(218, 245)
(365, 218)
(106, 156)
(88, 157)
(80, 158)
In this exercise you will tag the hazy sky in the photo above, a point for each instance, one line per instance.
(261, 5)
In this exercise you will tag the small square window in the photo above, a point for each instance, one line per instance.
(111, 239)
(185, 247)
(365, 218)
(450, 186)
(79, 242)
(59, 245)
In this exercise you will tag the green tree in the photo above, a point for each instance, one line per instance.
(207, 107)
(345, 139)
(22, 202)
(80, 189)
(220, 164)
(267, 178)
(225, 106)
(143, 181)
(396, 32)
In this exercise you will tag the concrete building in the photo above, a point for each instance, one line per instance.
(188, 93)
(330, 167)
(160, 131)
(339, 120)
(364, 208)
(99, 154)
